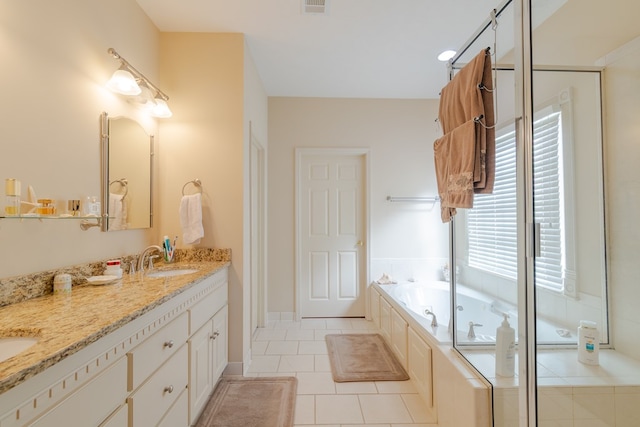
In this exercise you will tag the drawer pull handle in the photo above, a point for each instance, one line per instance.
(215, 334)
(169, 344)
(168, 389)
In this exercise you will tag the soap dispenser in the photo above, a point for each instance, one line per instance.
(505, 349)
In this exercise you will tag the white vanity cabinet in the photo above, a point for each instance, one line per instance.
(139, 375)
(208, 347)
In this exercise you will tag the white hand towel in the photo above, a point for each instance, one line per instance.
(117, 212)
(191, 218)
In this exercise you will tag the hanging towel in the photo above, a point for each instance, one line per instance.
(191, 218)
(465, 155)
(454, 155)
(117, 212)
(488, 159)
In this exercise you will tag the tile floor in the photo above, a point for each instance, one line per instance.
(299, 349)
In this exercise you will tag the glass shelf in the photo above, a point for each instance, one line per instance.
(48, 217)
(86, 222)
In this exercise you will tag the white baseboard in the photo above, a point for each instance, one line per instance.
(281, 315)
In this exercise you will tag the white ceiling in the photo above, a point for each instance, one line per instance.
(358, 49)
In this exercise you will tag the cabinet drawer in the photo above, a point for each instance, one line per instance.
(152, 400)
(201, 312)
(178, 414)
(120, 418)
(92, 403)
(148, 356)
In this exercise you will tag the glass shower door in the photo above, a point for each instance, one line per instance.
(587, 376)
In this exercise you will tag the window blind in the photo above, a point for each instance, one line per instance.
(491, 224)
(547, 196)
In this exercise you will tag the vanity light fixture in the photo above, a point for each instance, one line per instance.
(127, 80)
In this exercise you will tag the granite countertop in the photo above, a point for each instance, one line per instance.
(65, 324)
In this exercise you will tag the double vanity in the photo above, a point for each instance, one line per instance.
(145, 351)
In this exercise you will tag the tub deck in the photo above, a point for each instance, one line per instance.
(569, 392)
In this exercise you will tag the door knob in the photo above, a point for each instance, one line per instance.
(360, 243)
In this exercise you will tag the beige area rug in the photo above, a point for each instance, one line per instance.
(251, 402)
(362, 357)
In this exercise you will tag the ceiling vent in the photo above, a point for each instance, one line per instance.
(314, 7)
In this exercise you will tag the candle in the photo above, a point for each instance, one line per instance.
(12, 187)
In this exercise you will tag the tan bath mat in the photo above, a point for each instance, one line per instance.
(362, 357)
(251, 402)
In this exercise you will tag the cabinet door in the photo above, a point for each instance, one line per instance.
(220, 343)
(385, 320)
(200, 369)
(399, 337)
(420, 368)
(375, 307)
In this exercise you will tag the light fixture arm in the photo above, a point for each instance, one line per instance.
(137, 74)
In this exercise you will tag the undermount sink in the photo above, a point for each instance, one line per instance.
(11, 346)
(170, 273)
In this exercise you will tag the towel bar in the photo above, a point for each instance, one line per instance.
(195, 182)
(123, 183)
(414, 199)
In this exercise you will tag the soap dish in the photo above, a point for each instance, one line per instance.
(102, 280)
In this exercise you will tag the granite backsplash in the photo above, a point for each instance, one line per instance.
(20, 288)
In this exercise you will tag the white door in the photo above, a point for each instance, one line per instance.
(331, 233)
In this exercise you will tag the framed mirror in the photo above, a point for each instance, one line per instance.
(127, 153)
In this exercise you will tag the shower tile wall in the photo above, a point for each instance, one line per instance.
(408, 269)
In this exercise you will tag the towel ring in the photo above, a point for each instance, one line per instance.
(123, 183)
(195, 182)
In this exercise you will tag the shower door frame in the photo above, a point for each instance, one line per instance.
(523, 74)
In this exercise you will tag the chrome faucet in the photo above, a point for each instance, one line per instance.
(146, 252)
(472, 332)
(434, 321)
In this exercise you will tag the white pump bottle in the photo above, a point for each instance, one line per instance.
(505, 349)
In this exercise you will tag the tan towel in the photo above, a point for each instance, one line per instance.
(467, 96)
(454, 156)
(488, 156)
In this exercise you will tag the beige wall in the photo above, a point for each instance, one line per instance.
(215, 93)
(53, 76)
(399, 135)
(54, 68)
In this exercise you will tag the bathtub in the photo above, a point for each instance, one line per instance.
(483, 311)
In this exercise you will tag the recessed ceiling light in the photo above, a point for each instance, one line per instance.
(446, 55)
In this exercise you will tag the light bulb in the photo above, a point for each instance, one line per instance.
(122, 82)
(446, 55)
(161, 109)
